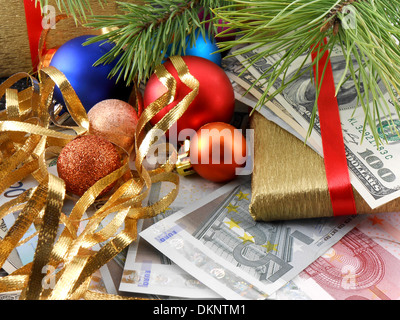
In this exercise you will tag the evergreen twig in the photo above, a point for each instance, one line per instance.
(146, 31)
(372, 39)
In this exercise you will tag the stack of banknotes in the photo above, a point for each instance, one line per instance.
(212, 248)
(206, 245)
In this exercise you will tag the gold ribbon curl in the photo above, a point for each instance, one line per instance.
(26, 138)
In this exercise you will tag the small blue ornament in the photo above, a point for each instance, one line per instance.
(91, 83)
(204, 48)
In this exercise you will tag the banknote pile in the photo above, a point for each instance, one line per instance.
(213, 248)
(206, 245)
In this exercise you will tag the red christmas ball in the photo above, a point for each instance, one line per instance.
(217, 151)
(214, 102)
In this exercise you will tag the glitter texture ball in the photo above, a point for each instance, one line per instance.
(115, 120)
(84, 161)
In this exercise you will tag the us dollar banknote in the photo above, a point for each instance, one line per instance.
(374, 169)
(217, 241)
(247, 92)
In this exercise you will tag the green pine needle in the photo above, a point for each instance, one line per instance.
(371, 37)
(144, 32)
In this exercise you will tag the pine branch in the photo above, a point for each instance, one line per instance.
(332, 19)
(293, 27)
(143, 33)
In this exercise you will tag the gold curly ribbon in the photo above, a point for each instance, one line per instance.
(26, 139)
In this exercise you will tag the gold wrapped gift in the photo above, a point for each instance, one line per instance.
(289, 180)
(15, 53)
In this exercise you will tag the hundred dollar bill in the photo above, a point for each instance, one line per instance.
(247, 91)
(374, 170)
(217, 241)
(249, 100)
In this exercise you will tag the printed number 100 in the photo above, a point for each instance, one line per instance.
(375, 163)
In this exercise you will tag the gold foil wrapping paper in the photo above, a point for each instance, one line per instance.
(289, 180)
(15, 53)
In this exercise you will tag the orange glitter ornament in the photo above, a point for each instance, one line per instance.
(84, 161)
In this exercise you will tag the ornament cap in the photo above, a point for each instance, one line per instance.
(183, 165)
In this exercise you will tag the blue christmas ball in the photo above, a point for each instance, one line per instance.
(204, 48)
(91, 83)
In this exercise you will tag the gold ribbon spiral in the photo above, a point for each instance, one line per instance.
(26, 139)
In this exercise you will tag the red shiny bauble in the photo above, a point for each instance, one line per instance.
(214, 102)
(217, 150)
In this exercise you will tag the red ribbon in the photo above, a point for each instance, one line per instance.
(337, 172)
(33, 17)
